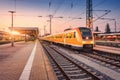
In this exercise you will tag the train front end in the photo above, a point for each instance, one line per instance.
(87, 38)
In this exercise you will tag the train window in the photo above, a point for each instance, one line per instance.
(74, 36)
(67, 35)
(70, 35)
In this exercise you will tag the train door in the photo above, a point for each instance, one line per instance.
(64, 38)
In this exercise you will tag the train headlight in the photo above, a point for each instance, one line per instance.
(92, 42)
(87, 37)
(83, 42)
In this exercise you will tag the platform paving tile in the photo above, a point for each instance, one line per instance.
(13, 60)
(41, 68)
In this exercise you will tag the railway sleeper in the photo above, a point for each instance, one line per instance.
(60, 77)
(80, 77)
(58, 73)
(65, 64)
(88, 78)
(117, 62)
(73, 71)
(56, 69)
(72, 66)
(81, 74)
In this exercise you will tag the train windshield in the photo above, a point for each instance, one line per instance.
(86, 33)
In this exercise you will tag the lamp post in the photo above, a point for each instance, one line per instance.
(40, 29)
(50, 16)
(12, 37)
(115, 25)
(44, 30)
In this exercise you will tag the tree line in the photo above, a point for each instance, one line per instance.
(107, 28)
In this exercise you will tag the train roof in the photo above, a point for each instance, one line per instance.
(74, 28)
(66, 30)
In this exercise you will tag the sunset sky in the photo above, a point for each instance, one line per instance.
(27, 12)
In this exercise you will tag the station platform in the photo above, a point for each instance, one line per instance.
(25, 61)
(107, 49)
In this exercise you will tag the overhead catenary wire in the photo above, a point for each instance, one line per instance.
(57, 9)
(77, 16)
(15, 4)
(100, 3)
(72, 7)
(49, 4)
(102, 15)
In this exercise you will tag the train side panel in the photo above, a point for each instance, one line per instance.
(73, 38)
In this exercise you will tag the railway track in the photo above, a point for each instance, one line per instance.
(104, 58)
(108, 60)
(108, 54)
(68, 68)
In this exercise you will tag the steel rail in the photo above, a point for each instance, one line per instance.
(92, 75)
(90, 55)
(65, 75)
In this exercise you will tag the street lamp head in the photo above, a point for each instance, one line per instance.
(48, 20)
(102, 18)
(39, 16)
(11, 11)
(79, 18)
(60, 17)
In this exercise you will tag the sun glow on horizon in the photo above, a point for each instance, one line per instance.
(15, 33)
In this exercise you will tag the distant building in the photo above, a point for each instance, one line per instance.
(31, 31)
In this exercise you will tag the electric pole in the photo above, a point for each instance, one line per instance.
(50, 16)
(44, 30)
(89, 14)
(12, 36)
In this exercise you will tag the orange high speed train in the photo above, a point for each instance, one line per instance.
(78, 38)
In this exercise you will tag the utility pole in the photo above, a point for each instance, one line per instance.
(44, 30)
(115, 25)
(40, 32)
(50, 16)
(50, 21)
(89, 14)
(12, 36)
